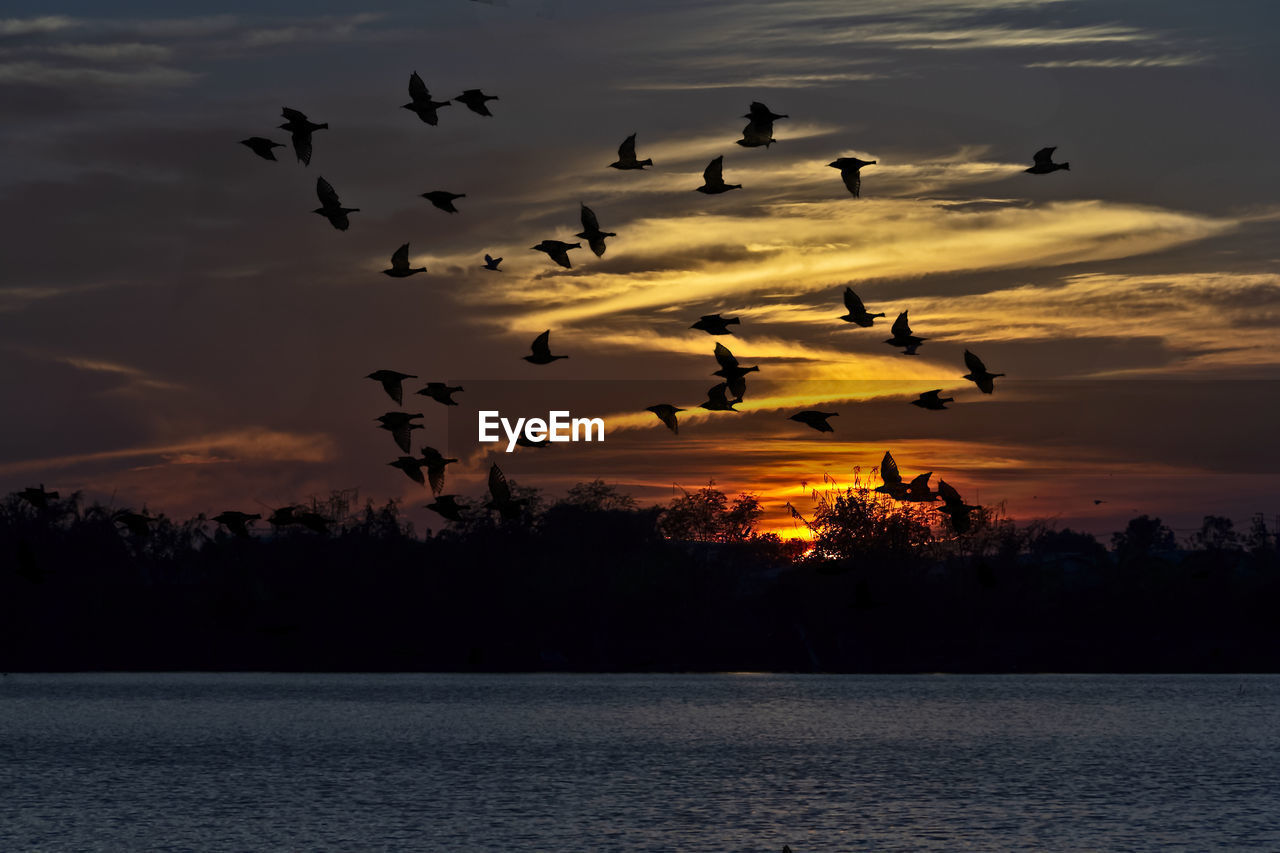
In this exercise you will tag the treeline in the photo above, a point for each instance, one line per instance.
(594, 582)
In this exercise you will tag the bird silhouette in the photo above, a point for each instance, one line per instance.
(851, 173)
(412, 467)
(331, 207)
(392, 383)
(237, 522)
(500, 498)
(902, 336)
(300, 129)
(667, 414)
(262, 146)
(443, 199)
(283, 516)
(400, 425)
(729, 367)
(978, 374)
(435, 462)
(756, 134)
(714, 324)
(955, 508)
(918, 489)
(37, 497)
(420, 101)
(542, 350)
(447, 506)
(440, 392)
(931, 400)
(627, 156)
(491, 263)
(400, 264)
(816, 420)
(557, 251)
(759, 112)
(591, 231)
(137, 523)
(713, 178)
(892, 484)
(1044, 162)
(857, 313)
(717, 399)
(475, 100)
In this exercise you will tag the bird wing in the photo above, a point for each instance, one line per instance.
(589, 221)
(717, 394)
(725, 357)
(974, 363)
(949, 494)
(759, 112)
(541, 345)
(900, 326)
(852, 181)
(668, 417)
(400, 432)
(302, 146)
(627, 150)
(737, 387)
(560, 255)
(435, 474)
(1045, 155)
(294, 115)
(713, 175)
(393, 388)
(932, 396)
(400, 259)
(852, 302)
(889, 469)
(920, 482)
(417, 89)
(328, 195)
(498, 486)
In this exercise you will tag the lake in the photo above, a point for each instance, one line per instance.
(733, 762)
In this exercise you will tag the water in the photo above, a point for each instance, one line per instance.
(638, 762)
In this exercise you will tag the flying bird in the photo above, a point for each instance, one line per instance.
(557, 251)
(757, 133)
(591, 231)
(300, 129)
(667, 414)
(902, 336)
(729, 367)
(475, 100)
(435, 462)
(714, 324)
(38, 498)
(420, 102)
(932, 400)
(542, 350)
(892, 485)
(262, 146)
(817, 420)
(759, 112)
(978, 374)
(137, 523)
(851, 172)
(717, 400)
(399, 424)
(491, 263)
(627, 156)
(412, 467)
(713, 178)
(500, 497)
(391, 383)
(1044, 162)
(443, 199)
(237, 522)
(954, 507)
(918, 489)
(440, 392)
(447, 506)
(857, 312)
(400, 264)
(331, 207)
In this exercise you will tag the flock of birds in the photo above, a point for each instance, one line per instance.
(428, 468)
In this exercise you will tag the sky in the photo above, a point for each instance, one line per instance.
(178, 329)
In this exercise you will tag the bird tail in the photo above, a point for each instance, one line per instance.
(734, 322)
(324, 126)
(1067, 166)
(645, 162)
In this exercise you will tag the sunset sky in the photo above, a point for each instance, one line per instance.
(177, 328)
